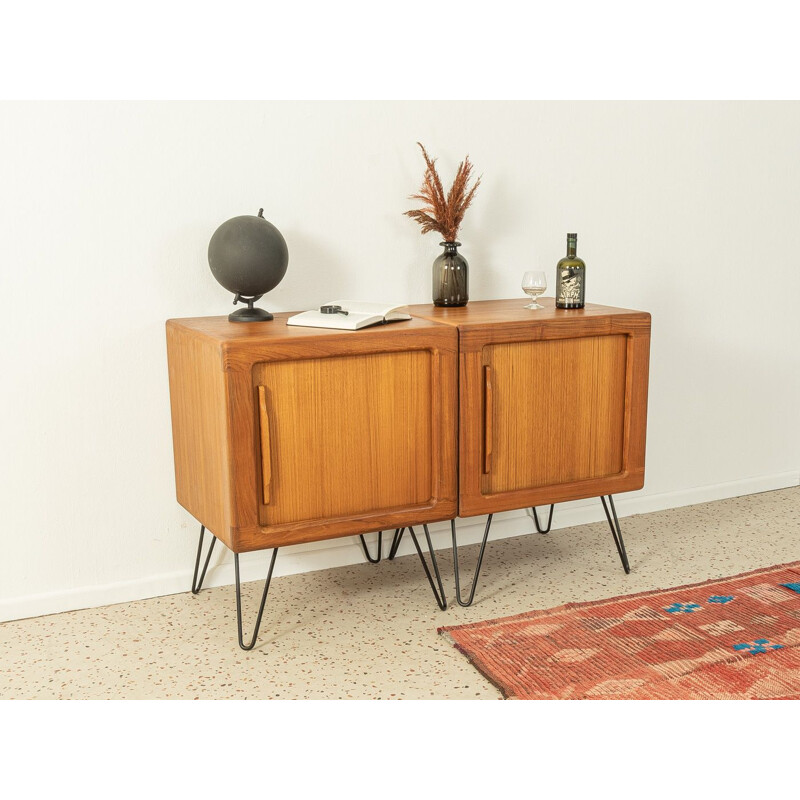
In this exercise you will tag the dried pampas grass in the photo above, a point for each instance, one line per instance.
(440, 213)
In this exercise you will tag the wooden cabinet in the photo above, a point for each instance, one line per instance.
(552, 403)
(285, 435)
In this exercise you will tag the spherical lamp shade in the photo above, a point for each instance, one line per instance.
(248, 256)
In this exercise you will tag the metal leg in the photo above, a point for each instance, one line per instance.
(460, 601)
(549, 519)
(616, 532)
(239, 601)
(366, 551)
(195, 583)
(398, 537)
(441, 600)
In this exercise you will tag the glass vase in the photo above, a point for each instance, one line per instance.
(450, 280)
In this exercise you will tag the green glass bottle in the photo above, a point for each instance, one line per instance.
(571, 277)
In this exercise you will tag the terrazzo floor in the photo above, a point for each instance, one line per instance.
(369, 631)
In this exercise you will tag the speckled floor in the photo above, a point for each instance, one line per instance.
(369, 631)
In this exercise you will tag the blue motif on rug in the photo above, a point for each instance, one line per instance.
(682, 608)
(795, 587)
(758, 646)
(721, 598)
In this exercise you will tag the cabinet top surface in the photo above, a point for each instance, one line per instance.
(496, 312)
(426, 318)
(276, 330)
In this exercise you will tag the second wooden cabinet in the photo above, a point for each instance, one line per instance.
(552, 404)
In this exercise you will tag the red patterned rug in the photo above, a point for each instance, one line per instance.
(733, 639)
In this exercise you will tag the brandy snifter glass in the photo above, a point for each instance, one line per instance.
(534, 283)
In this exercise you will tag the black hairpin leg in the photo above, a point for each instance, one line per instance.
(616, 532)
(441, 600)
(398, 536)
(195, 583)
(366, 551)
(261, 607)
(469, 600)
(549, 519)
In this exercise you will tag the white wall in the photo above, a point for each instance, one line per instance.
(688, 210)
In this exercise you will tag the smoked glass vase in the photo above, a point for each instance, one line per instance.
(450, 280)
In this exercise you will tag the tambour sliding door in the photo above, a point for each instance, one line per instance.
(345, 436)
(552, 410)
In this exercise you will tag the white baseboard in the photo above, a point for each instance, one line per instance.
(346, 551)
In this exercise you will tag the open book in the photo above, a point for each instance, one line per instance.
(359, 315)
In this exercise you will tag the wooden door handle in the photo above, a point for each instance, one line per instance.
(487, 419)
(266, 465)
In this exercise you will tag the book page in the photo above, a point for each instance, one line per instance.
(372, 309)
(359, 315)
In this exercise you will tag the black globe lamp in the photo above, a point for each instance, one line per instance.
(248, 256)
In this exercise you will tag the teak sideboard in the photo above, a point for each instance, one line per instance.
(284, 435)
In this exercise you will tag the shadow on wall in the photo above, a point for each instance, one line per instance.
(482, 236)
(315, 274)
(711, 389)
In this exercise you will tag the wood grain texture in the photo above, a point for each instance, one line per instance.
(461, 411)
(245, 336)
(349, 435)
(199, 424)
(593, 362)
(482, 313)
(559, 411)
(385, 398)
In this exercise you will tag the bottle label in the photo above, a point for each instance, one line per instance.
(569, 287)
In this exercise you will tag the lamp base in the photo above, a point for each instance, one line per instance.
(250, 315)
